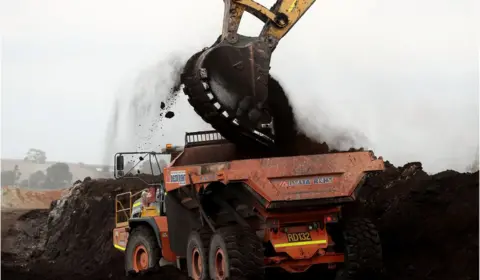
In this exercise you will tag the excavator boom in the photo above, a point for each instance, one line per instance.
(228, 83)
(279, 19)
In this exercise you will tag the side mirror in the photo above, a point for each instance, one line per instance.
(120, 163)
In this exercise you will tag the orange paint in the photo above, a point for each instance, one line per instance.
(120, 238)
(167, 253)
(302, 265)
(288, 178)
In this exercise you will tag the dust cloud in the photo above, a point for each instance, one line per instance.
(151, 110)
(401, 78)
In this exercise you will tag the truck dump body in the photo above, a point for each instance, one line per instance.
(283, 179)
(292, 204)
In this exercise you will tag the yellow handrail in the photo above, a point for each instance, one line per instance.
(119, 207)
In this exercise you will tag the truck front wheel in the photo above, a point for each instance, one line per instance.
(363, 251)
(236, 253)
(142, 251)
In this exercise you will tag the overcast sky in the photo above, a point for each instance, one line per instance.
(404, 74)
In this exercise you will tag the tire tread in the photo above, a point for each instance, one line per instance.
(245, 253)
(363, 251)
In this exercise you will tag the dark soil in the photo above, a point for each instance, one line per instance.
(428, 226)
(77, 243)
(22, 237)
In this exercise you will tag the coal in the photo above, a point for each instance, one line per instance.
(428, 223)
(77, 234)
(289, 140)
(22, 235)
(169, 114)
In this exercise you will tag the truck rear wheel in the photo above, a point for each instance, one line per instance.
(363, 251)
(142, 251)
(197, 254)
(236, 253)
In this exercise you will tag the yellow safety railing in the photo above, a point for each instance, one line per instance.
(123, 207)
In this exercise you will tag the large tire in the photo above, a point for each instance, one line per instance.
(236, 253)
(363, 251)
(143, 252)
(197, 254)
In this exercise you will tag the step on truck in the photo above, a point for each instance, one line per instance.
(219, 214)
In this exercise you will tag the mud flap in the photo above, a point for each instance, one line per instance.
(182, 222)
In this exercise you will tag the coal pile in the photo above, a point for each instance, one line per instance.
(74, 238)
(428, 224)
(22, 235)
(80, 224)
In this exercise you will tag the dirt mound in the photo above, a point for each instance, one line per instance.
(19, 198)
(23, 234)
(75, 236)
(80, 228)
(428, 225)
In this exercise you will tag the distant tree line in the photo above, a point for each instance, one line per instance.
(10, 177)
(57, 175)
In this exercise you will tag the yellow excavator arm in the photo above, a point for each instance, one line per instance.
(278, 20)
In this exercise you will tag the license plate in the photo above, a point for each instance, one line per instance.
(299, 236)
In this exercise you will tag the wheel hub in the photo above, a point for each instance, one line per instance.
(197, 264)
(140, 258)
(220, 265)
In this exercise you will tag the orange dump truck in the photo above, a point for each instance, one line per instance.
(227, 216)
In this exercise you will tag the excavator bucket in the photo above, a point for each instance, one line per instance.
(228, 87)
(228, 83)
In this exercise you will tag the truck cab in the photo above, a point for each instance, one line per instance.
(143, 213)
